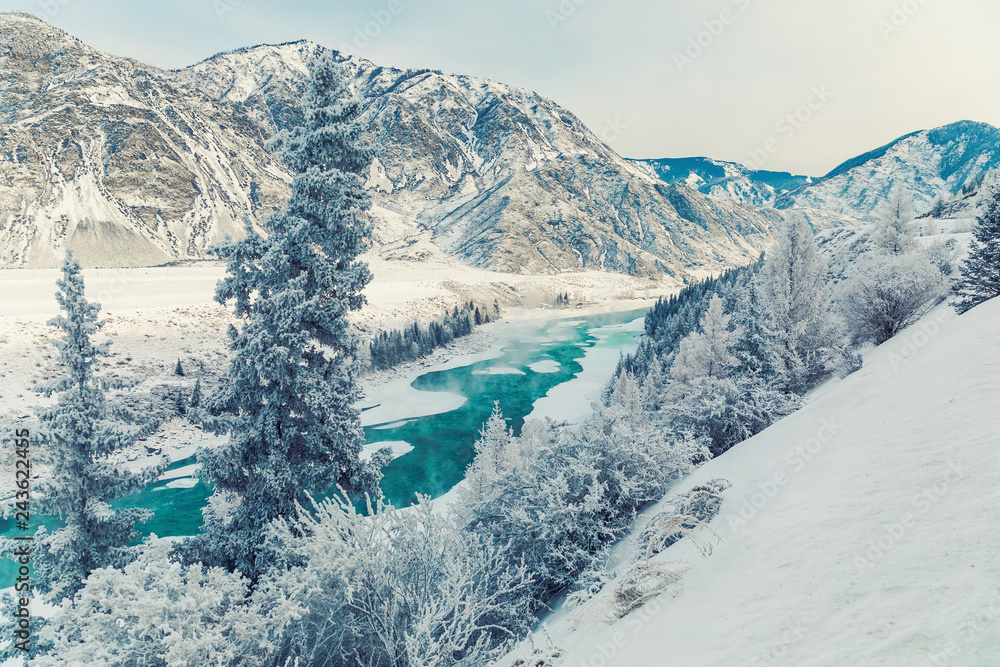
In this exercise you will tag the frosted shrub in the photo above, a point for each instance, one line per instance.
(559, 498)
(401, 588)
(159, 613)
(687, 511)
(887, 293)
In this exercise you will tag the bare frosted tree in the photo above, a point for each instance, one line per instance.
(894, 229)
(884, 294)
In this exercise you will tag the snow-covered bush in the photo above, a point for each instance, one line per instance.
(559, 498)
(944, 255)
(402, 588)
(687, 511)
(887, 293)
(642, 582)
(159, 613)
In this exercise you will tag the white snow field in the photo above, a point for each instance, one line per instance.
(860, 530)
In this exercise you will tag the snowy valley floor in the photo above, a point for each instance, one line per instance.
(860, 530)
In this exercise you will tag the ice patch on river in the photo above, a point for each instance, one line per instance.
(545, 366)
(571, 401)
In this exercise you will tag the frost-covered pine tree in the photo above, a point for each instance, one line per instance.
(196, 394)
(288, 401)
(894, 230)
(707, 353)
(78, 438)
(793, 293)
(981, 269)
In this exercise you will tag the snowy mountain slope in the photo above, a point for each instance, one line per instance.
(930, 163)
(104, 154)
(499, 176)
(858, 530)
(725, 179)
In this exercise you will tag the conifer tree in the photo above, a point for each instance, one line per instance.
(180, 405)
(178, 369)
(288, 401)
(894, 230)
(196, 394)
(78, 437)
(707, 353)
(792, 289)
(981, 270)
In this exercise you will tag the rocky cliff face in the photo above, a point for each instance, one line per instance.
(106, 155)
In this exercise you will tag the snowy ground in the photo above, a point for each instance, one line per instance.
(858, 531)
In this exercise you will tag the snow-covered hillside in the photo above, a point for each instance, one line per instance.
(931, 164)
(858, 530)
(104, 155)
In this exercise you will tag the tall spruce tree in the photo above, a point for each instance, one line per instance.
(287, 403)
(981, 270)
(78, 438)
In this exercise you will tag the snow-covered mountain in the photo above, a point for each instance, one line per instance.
(725, 179)
(106, 155)
(946, 164)
(496, 175)
(931, 164)
(133, 165)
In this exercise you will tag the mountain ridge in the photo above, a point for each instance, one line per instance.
(491, 175)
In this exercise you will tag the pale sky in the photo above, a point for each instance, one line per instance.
(871, 70)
